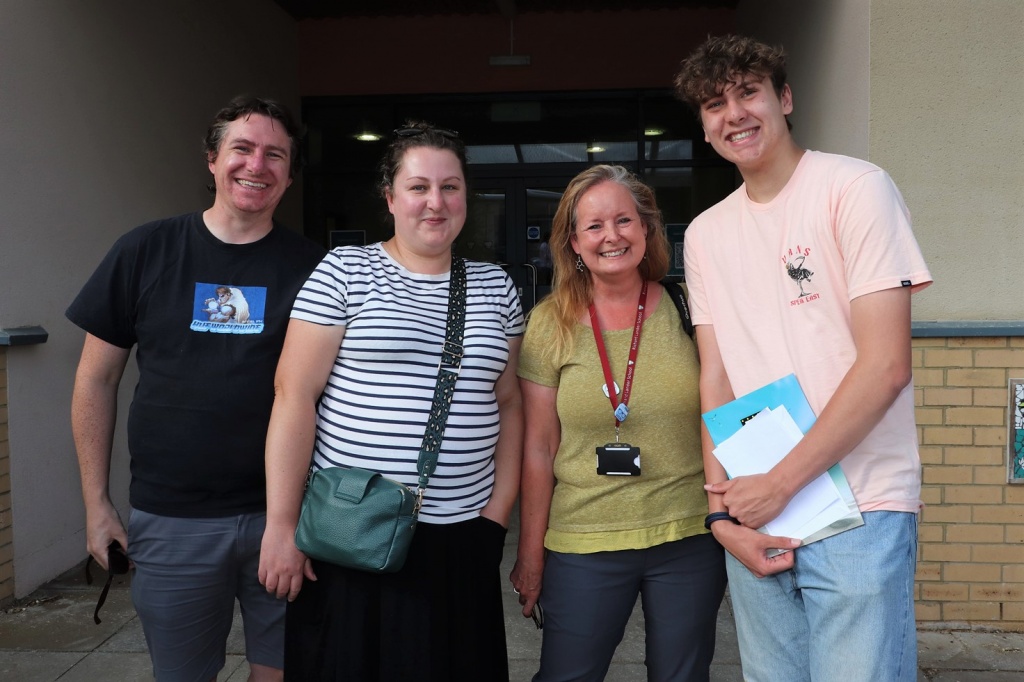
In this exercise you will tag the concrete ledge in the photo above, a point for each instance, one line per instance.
(967, 328)
(23, 336)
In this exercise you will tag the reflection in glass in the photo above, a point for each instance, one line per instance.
(541, 204)
(483, 236)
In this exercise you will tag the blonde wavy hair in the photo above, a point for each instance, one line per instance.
(571, 290)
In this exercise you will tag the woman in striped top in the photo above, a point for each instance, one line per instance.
(354, 387)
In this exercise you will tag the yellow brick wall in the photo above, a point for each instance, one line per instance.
(970, 569)
(6, 531)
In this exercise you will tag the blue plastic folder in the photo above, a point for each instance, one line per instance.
(722, 422)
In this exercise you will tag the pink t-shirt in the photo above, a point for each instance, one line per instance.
(776, 280)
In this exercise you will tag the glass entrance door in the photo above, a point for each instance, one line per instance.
(509, 223)
(542, 199)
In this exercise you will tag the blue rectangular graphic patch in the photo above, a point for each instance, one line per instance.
(226, 309)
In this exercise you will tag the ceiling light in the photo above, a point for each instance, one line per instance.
(653, 132)
(367, 137)
(594, 149)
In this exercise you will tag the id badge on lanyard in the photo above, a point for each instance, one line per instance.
(619, 459)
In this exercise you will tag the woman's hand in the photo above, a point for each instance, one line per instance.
(527, 577)
(302, 372)
(508, 452)
(542, 436)
(489, 512)
(282, 565)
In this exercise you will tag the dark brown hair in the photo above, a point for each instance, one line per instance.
(722, 59)
(244, 106)
(418, 134)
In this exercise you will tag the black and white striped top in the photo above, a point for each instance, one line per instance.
(374, 409)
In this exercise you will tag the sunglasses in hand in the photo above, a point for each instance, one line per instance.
(536, 613)
(117, 564)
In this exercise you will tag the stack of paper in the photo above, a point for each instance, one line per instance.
(754, 432)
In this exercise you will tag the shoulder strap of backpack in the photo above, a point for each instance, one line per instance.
(675, 292)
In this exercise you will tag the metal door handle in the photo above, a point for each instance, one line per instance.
(533, 280)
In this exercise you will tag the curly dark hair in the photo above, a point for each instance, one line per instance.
(719, 60)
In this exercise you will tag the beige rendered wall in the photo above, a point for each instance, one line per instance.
(827, 44)
(104, 107)
(946, 121)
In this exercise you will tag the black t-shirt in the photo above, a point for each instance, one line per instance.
(209, 320)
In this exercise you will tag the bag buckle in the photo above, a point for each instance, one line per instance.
(451, 357)
(419, 502)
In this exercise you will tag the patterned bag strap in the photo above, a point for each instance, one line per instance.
(447, 374)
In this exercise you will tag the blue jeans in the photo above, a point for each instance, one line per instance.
(844, 612)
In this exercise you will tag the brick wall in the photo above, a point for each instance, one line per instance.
(970, 570)
(6, 531)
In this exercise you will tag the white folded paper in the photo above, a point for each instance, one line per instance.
(760, 445)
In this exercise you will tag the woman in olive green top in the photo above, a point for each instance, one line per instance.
(612, 501)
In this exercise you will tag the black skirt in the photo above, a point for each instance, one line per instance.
(439, 619)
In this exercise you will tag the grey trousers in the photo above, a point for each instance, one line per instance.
(588, 598)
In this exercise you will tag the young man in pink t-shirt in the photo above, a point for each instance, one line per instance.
(807, 268)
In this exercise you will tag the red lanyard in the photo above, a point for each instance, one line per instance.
(620, 409)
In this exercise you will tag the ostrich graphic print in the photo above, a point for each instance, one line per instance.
(797, 270)
(799, 274)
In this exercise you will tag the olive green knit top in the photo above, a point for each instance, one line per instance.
(596, 513)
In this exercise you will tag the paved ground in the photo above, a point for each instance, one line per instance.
(51, 636)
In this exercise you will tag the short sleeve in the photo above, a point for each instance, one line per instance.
(874, 233)
(107, 305)
(323, 298)
(697, 298)
(536, 363)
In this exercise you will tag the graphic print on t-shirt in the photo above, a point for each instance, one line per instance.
(797, 270)
(226, 309)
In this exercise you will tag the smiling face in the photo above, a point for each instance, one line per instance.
(251, 168)
(428, 201)
(746, 121)
(610, 237)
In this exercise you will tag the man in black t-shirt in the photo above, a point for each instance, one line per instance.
(204, 298)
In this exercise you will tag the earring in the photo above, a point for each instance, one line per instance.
(579, 263)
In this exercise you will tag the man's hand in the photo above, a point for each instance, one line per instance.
(282, 565)
(93, 415)
(102, 525)
(750, 547)
(752, 500)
